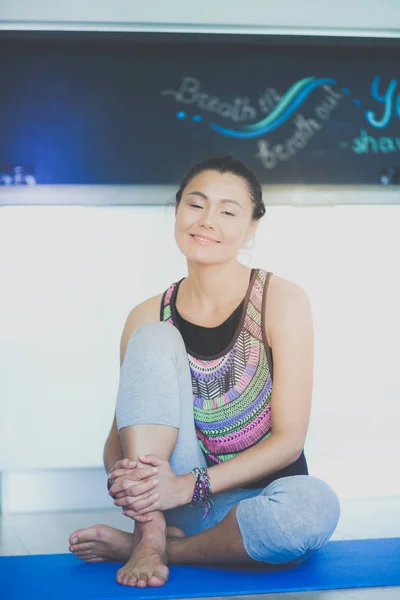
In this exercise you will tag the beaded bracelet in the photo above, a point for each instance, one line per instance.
(202, 489)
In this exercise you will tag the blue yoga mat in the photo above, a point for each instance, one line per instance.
(342, 564)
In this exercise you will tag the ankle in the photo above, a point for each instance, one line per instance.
(155, 527)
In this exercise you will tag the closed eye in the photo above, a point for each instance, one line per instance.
(225, 212)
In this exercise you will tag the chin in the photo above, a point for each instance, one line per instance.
(200, 255)
(201, 260)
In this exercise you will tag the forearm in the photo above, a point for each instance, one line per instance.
(253, 464)
(249, 466)
(112, 452)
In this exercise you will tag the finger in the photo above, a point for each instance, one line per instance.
(125, 463)
(145, 502)
(124, 501)
(142, 488)
(121, 484)
(144, 473)
(134, 475)
(142, 500)
(135, 493)
(151, 460)
(139, 518)
(129, 502)
(118, 496)
(120, 472)
(126, 487)
(153, 507)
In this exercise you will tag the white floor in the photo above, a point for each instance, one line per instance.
(47, 533)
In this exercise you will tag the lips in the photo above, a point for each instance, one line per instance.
(205, 237)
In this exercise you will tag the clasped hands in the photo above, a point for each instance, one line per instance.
(141, 491)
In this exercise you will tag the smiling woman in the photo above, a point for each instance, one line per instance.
(216, 397)
(218, 208)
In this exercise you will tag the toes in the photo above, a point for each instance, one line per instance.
(159, 577)
(81, 535)
(82, 547)
(96, 559)
(86, 555)
(155, 581)
(75, 536)
(129, 581)
(142, 580)
(88, 534)
(124, 579)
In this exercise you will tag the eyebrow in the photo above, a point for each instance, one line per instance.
(224, 200)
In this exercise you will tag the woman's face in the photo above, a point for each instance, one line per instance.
(214, 206)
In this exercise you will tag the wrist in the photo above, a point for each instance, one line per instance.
(187, 482)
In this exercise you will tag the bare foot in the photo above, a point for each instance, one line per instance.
(102, 543)
(148, 564)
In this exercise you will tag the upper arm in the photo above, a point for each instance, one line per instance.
(292, 341)
(130, 326)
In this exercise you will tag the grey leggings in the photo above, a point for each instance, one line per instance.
(284, 523)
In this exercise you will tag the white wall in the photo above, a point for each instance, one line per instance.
(70, 275)
(354, 16)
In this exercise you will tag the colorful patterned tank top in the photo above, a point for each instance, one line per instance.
(232, 390)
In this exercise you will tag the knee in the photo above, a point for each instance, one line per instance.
(292, 518)
(316, 517)
(156, 338)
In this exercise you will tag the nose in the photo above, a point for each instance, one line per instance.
(206, 221)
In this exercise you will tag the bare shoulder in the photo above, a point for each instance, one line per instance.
(280, 289)
(147, 311)
(286, 300)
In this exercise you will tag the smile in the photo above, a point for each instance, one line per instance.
(204, 241)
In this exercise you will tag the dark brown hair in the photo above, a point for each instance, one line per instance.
(228, 164)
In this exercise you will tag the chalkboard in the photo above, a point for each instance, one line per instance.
(109, 109)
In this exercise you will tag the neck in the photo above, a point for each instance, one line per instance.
(210, 286)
